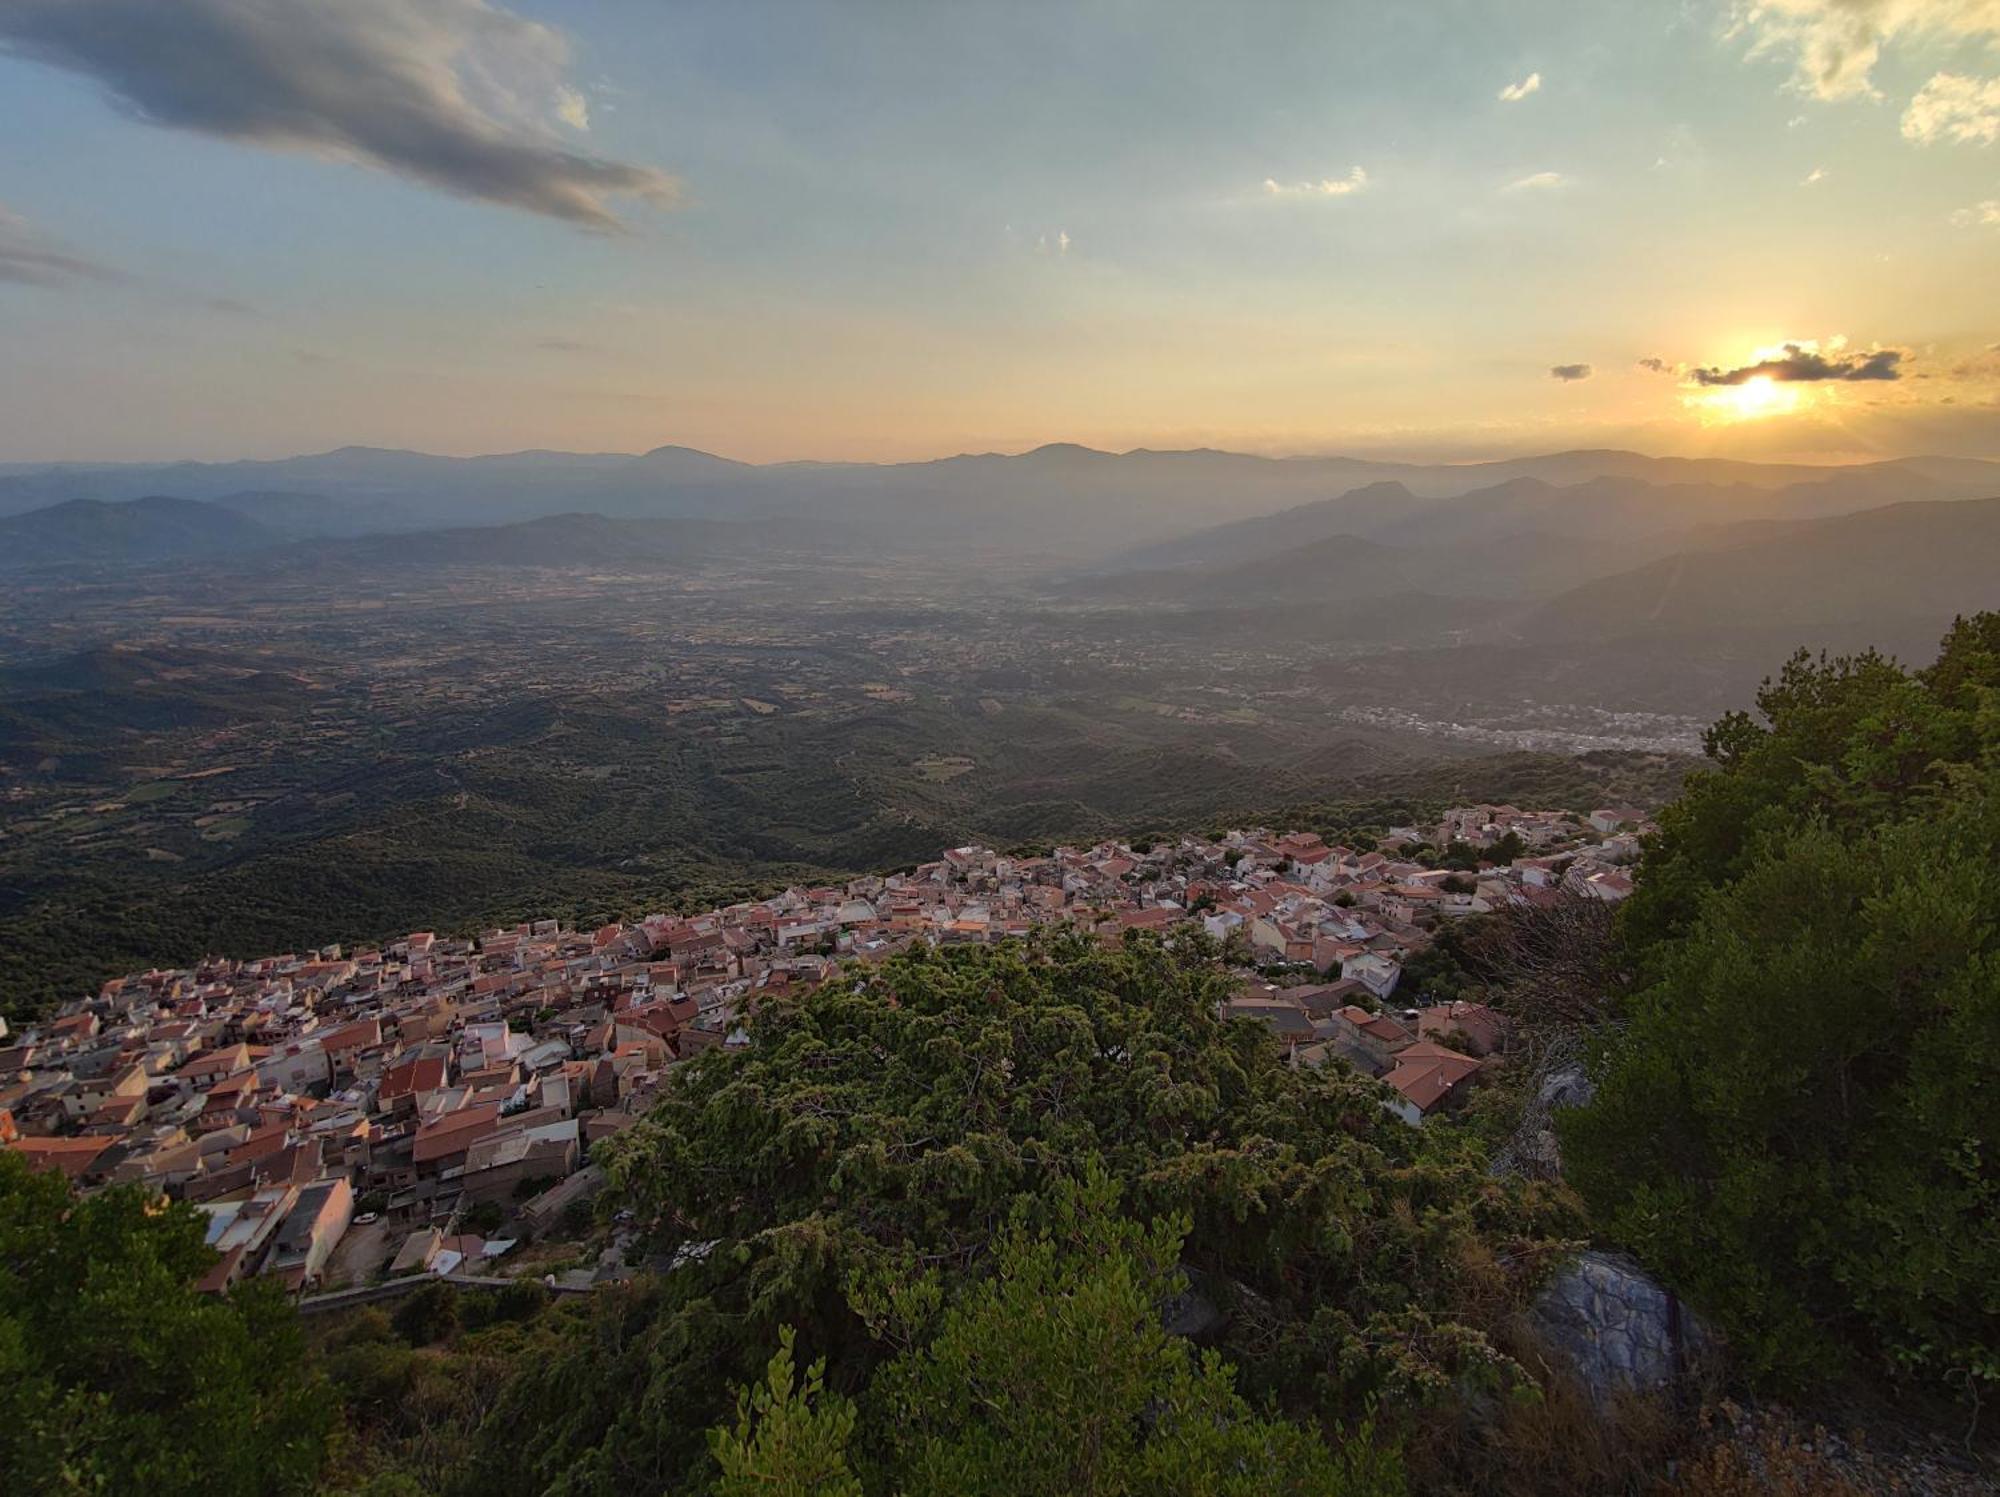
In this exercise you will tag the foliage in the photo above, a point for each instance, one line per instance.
(427, 1314)
(790, 1437)
(1054, 1375)
(116, 1375)
(1796, 1123)
(855, 1172)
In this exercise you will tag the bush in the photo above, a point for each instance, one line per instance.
(427, 1315)
(116, 1375)
(1796, 1124)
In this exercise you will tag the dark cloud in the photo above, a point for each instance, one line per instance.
(1567, 372)
(457, 94)
(1801, 363)
(30, 258)
(229, 306)
(1658, 366)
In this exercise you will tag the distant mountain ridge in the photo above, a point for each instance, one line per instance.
(153, 528)
(1064, 501)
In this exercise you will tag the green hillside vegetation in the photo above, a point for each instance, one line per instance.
(116, 1376)
(1797, 1124)
(966, 1184)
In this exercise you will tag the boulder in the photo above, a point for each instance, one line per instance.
(1568, 1087)
(1616, 1328)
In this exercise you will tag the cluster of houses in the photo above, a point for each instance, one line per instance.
(410, 1084)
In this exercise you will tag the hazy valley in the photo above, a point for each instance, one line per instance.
(328, 704)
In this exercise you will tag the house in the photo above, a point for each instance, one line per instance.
(498, 1165)
(441, 1142)
(76, 1158)
(240, 1231)
(1481, 1030)
(1369, 1041)
(409, 1085)
(1426, 1077)
(1375, 972)
(311, 1229)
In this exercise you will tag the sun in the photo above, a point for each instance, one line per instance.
(1756, 398)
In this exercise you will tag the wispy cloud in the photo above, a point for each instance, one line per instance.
(1569, 373)
(1952, 107)
(29, 257)
(1817, 174)
(460, 95)
(1835, 44)
(1537, 182)
(572, 108)
(1804, 362)
(564, 345)
(1327, 187)
(1514, 93)
(1983, 215)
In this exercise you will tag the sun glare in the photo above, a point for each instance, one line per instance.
(1752, 400)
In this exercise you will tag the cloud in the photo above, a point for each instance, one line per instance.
(30, 258)
(229, 306)
(1657, 366)
(1569, 373)
(565, 345)
(1329, 187)
(1817, 174)
(1835, 44)
(1537, 182)
(1514, 93)
(572, 108)
(1955, 108)
(456, 94)
(1802, 362)
(1984, 215)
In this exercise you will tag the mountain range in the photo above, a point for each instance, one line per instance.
(1577, 545)
(1067, 503)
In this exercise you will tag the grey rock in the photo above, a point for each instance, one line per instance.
(1605, 1320)
(1190, 1314)
(1569, 1087)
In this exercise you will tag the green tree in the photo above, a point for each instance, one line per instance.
(898, 1119)
(790, 1436)
(1796, 1124)
(116, 1375)
(427, 1314)
(1053, 1375)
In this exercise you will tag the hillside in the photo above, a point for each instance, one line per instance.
(1854, 575)
(89, 532)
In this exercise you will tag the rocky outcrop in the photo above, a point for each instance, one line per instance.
(1533, 1150)
(1613, 1326)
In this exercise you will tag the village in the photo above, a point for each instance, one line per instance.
(430, 1106)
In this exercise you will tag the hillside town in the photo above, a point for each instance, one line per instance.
(428, 1105)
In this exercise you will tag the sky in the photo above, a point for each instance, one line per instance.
(250, 228)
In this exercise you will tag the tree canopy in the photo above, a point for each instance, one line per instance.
(970, 1157)
(117, 1376)
(1797, 1124)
